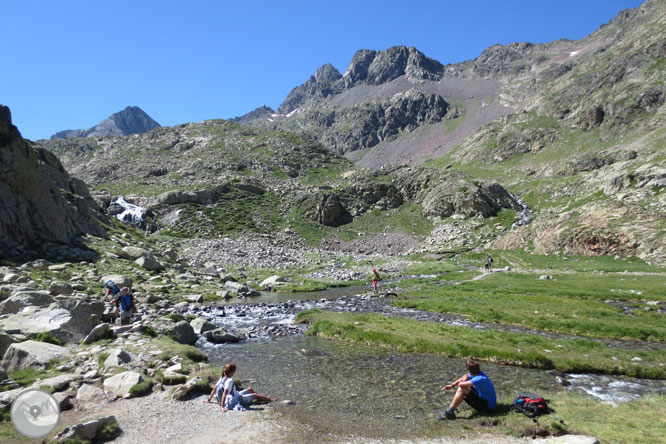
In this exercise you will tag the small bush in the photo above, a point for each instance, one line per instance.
(148, 330)
(142, 388)
(176, 317)
(109, 431)
(101, 358)
(48, 338)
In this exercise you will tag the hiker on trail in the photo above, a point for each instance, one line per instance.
(112, 291)
(125, 304)
(375, 279)
(230, 398)
(489, 264)
(475, 388)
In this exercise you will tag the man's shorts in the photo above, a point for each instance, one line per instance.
(474, 400)
(125, 316)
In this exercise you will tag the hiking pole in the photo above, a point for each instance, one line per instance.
(557, 417)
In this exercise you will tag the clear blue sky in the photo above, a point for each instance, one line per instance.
(70, 64)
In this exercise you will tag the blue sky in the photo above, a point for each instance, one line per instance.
(70, 64)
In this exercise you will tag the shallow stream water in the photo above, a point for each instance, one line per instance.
(356, 389)
(346, 388)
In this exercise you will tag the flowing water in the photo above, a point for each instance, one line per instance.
(345, 388)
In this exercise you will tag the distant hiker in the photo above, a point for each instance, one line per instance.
(375, 279)
(125, 303)
(489, 264)
(229, 397)
(475, 388)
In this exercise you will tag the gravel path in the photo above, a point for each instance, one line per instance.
(155, 419)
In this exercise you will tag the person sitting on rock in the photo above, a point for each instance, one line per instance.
(229, 397)
(475, 388)
(125, 305)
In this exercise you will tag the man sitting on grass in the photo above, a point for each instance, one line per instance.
(475, 388)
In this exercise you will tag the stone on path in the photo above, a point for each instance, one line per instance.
(97, 333)
(181, 392)
(85, 430)
(121, 383)
(89, 394)
(117, 357)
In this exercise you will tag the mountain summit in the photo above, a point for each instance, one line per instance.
(131, 120)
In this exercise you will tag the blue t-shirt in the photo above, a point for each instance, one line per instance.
(485, 389)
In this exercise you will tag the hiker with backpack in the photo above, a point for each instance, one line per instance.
(125, 305)
(489, 264)
(475, 388)
(113, 291)
(230, 398)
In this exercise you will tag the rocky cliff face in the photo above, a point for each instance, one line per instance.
(131, 120)
(39, 201)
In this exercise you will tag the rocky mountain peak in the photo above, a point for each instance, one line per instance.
(377, 67)
(131, 120)
(317, 86)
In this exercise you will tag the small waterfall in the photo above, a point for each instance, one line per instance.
(524, 216)
(127, 212)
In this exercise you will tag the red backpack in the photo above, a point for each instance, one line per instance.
(532, 406)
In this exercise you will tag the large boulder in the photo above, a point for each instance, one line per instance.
(200, 325)
(18, 301)
(149, 262)
(220, 336)
(89, 394)
(272, 281)
(5, 341)
(40, 201)
(31, 354)
(183, 333)
(98, 332)
(69, 321)
(119, 279)
(133, 253)
(121, 383)
(60, 288)
(117, 358)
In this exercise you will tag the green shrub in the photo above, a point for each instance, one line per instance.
(109, 432)
(101, 358)
(48, 338)
(148, 330)
(176, 317)
(142, 388)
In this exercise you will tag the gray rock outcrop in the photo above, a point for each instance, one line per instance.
(31, 354)
(121, 383)
(39, 201)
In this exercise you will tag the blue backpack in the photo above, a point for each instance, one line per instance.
(115, 289)
(126, 302)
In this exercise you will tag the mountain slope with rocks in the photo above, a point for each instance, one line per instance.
(131, 120)
(39, 201)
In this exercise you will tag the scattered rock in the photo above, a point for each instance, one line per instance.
(121, 383)
(200, 325)
(87, 430)
(220, 336)
(117, 358)
(98, 332)
(63, 288)
(31, 354)
(183, 333)
(181, 392)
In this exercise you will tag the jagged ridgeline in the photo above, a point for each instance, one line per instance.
(220, 178)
